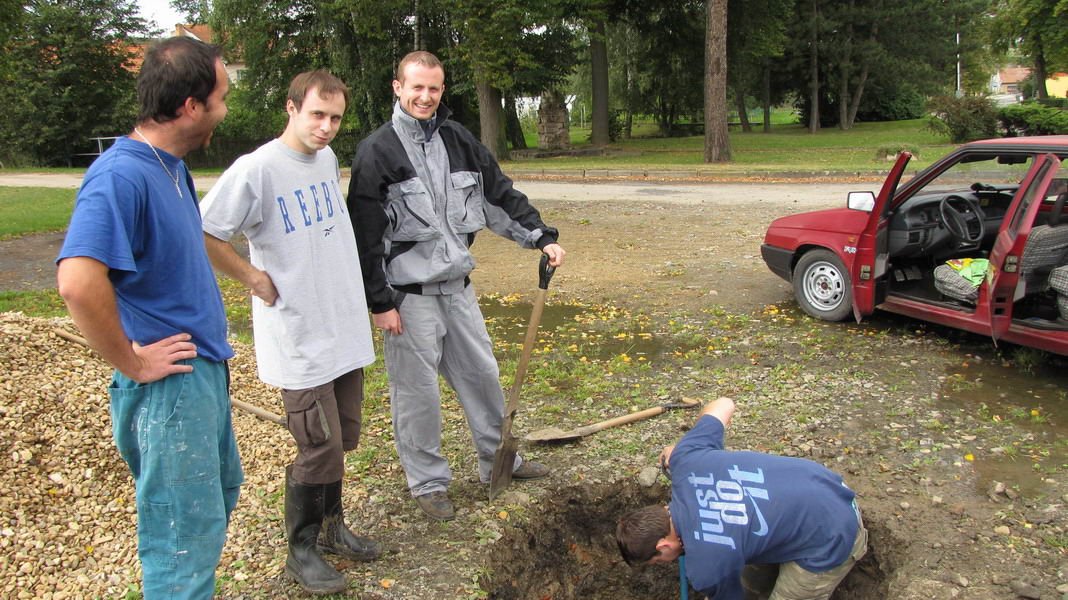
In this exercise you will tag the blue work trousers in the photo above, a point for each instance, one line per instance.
(177, 437)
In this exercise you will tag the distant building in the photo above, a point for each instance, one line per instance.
(1006, 86)
(201, 32)
(205, 34)
(1009, 80)
(1057, 85)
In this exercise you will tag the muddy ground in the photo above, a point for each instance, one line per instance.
(878, 402)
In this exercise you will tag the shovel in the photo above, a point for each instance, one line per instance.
(504, 458)
(555, 434)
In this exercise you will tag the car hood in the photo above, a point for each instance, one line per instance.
(832, 220)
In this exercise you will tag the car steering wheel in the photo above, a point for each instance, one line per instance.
(959, 219)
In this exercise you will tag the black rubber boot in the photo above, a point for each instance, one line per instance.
(304, 518)
(336, 537)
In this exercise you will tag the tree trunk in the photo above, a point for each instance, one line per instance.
(1040, 72)
(512, 127)
(843, 98)
(599, 76)
(717, 142)
(489, 119)
(743, 115)
(814, 71)
(417, 40)
(628, 70)
(864, 70)
(844, 73)
(857, 94)
(767, 96)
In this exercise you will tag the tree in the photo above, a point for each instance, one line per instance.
(814, 67)
(756, 36)
(1039, 29)
(511, 46)
(193, 11)
(840, 50)
(623, 44)
(717, 142)
(370, 37)
(668, 54)
(593, 14)
(67, 71)
(276, 39)
(599, 135)
(9, 17)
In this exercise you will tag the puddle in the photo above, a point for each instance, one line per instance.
(594, 331)
(1034, 404)
(594, 335)
(658, 191)
(569, 551)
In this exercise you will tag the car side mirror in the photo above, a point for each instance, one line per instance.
(864, 201)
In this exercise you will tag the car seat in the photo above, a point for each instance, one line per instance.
(950, 283)
(1045, 249)
(1058, 280)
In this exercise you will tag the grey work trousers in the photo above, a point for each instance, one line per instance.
(443, 334)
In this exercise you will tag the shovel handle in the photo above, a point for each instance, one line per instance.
(637, 416)
(623, 420)
(545, 272)
(264, 414)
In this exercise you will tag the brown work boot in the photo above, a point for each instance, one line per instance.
(436, 505)
(530, 470)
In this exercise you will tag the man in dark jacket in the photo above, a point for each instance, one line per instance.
(422, 186)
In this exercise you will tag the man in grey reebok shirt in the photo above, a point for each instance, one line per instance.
(310, 319)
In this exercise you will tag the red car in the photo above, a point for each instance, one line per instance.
(977, 241)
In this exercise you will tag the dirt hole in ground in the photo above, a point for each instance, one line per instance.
(569, 551)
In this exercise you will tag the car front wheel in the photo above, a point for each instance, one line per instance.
(822, 286)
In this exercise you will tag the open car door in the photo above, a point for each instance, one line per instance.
(1003, 276)
(872, 245)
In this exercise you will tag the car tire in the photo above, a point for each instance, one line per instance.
(822, 286)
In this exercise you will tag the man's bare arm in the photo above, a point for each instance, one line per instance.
(226, 260)
(84, 286)
(721, 408)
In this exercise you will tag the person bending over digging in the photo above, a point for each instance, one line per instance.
(730, 509)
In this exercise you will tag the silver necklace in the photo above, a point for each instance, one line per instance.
(174, 177)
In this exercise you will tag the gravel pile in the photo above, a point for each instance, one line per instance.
(67, 516)
(67, 510)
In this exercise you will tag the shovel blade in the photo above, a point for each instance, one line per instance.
(503, 463)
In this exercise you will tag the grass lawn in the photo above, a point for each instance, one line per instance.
(788, 147)
(33, 210)
(44, 303)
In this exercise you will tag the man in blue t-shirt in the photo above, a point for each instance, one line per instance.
(136, 279)
(730, 509)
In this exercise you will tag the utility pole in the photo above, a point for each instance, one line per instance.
(959, 91)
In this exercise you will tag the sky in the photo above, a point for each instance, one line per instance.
(161, 12)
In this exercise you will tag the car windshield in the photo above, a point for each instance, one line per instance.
(991, 170)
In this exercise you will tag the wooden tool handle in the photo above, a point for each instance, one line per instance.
(264, 414)
(617, 421)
